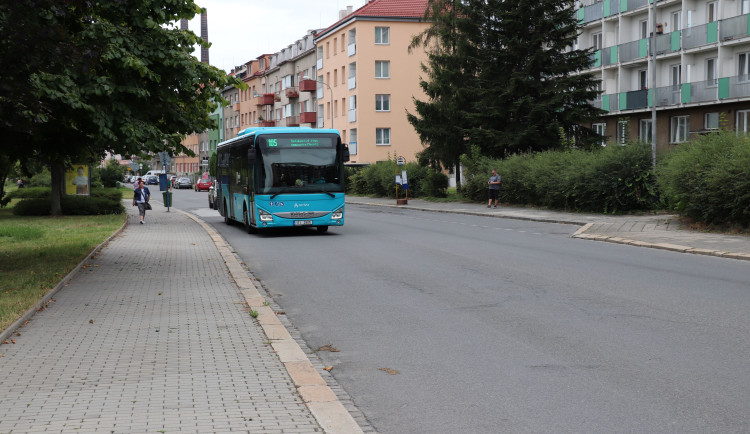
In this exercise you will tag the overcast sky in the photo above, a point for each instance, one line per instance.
(241, 30)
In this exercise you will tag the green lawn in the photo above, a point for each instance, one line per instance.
(37, 252)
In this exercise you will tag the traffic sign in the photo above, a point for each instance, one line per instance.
(400, 161)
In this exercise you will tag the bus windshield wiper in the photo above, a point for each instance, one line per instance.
(283, 190)
(324, 191)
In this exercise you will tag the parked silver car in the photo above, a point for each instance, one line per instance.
(184, 183)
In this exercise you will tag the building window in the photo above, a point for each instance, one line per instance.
(711, 12)
(643, 79)
(679, 130)
(353, 141)
(742, 120)
(382, 69)
(643, 27)
(676, 21)
(711, 73)
(383, 136)
(382, 35)
(711, 121)
(644, 130)
(382, 103)
(601, 129)
(596, 41)
(743, 66)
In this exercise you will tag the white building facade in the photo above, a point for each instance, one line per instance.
(688, 60)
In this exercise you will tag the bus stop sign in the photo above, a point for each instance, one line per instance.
(401, 161)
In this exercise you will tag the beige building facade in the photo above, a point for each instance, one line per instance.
(369, 79)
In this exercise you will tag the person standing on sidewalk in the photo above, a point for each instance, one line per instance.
(141, 196)
(494, 184)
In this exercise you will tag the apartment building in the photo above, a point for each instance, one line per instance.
(366, 78)
(700, 54)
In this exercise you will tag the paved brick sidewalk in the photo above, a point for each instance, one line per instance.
(152, 335)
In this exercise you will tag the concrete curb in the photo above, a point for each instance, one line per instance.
(581, 233)
(13, 328)
(320, 399)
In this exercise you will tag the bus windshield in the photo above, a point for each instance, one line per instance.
(299, 164)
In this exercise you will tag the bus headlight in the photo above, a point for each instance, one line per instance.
(264, 216)
(338, 214)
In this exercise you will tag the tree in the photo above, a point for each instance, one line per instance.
(443, 120)
(94, 77)
(502, 77)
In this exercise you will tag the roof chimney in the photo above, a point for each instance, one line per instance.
(204, 36)
(343, 13)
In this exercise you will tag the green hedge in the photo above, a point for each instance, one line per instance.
(614, 179)
(708, 179)
(36, 201)
(379, 179)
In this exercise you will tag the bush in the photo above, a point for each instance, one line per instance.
(708, 179)
(103, 201)
(379, 179)
(614, 179)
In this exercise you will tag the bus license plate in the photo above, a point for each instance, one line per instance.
(302, 222)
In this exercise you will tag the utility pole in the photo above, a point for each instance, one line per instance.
(652, 78)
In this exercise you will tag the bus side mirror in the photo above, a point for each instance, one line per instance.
(345, 153)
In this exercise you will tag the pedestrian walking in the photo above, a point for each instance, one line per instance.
(494, 189)
(141, 196)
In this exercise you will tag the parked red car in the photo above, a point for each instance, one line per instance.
(203, 185)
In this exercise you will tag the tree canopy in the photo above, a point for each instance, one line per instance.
(84, 77)
(501, 75)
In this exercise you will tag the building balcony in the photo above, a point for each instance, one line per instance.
(291, 121)
(291, 92)
(267, 123)
(307, 85)
(265, 99)
(236, 107)
(308, 117)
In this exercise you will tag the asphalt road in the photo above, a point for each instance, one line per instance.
(450, 323)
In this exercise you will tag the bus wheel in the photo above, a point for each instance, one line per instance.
(322, 229)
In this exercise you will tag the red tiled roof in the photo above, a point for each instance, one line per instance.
(413, 9)
(393, 8)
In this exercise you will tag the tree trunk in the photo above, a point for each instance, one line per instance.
(58, 179)
(458, 176)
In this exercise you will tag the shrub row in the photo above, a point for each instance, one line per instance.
(614, 179)
(708, 179)
(36, 201)
(379, 179)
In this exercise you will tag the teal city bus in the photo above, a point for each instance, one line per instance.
(278, 177)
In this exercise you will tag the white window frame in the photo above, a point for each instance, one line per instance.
(643, 79)
(743, 120)
(711, 121)
(601, 129)
(712, 72)
(743, 67)
(643, 28)
(382, 69)
(711, 11)
(679, 129)
(382, 102)
(382, 137)
(676, 20)
(596, 40)
(644, 130)
(382, 35)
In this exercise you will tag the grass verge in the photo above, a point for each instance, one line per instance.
(37, 252)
